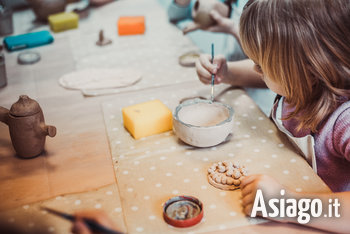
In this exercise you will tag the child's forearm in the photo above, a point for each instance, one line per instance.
(242, 73)
(339, 224)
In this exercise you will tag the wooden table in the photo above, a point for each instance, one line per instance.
(76, 171)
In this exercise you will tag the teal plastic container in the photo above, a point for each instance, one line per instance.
(28, 40)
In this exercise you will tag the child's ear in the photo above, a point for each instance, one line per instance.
(258, 69)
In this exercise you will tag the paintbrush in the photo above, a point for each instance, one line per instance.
(212, 75)
(92, 225)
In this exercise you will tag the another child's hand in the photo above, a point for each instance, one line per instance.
(270, 189)
(79, 227)
(190, 27)
(223, 24)
(205, 69)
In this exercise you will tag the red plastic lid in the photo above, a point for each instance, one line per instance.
(183, 211)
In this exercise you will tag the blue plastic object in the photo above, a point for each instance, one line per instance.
(28, 40)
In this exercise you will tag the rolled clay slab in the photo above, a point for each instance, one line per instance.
(189, 59)
(226, 175)
(99, 78)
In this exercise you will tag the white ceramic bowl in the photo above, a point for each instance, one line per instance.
(202, 123)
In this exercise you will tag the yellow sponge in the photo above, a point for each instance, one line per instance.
(146, 119)
(63, 21)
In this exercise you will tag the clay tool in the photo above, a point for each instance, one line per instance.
(94, 226)
(212, 75)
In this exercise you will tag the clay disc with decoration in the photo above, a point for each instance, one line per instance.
(100, 78)
(226, 175)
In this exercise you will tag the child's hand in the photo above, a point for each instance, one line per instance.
(270, 189)
(223, 24)
(205, 69)
(79, 227)
(190, 27)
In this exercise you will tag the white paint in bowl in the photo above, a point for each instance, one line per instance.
(203, 123)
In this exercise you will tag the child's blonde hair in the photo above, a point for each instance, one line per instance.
(303, 45)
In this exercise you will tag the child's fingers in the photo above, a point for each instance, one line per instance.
(247, 199)
(213, 68)
(214, 29)
(97, 216)
(202, 73)
(248, 179)
(216, 16)
(190, 28)
(80, 228)
(250, 188)
(248, 209)
(219, 61)
(205, 60)
(205, 68)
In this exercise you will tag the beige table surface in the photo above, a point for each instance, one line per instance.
(80, 146)
(76, 170)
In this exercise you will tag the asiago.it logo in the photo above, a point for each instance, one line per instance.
(303, 209)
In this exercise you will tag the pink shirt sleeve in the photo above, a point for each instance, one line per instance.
(341, 134)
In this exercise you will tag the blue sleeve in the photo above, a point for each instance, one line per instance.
(177, 13)
(240, 4)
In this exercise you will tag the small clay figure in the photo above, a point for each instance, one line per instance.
(102, 41)
(27, 127)
(226, 175)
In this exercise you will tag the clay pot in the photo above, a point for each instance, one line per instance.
(44, 8)
(203, 123)
(201, 12)
(27, 127)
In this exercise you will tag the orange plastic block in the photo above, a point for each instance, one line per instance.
(131, 25)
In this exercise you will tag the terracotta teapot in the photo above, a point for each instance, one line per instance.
(201, 12)
(27, 128)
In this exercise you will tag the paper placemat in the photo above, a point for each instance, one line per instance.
(153, 54)
(151, 170)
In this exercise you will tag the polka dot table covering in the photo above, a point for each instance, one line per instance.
(151, 170)
(30, 218)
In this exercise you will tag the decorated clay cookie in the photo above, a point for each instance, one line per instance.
(226, 175)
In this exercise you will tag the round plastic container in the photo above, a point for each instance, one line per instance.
(183, 211)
